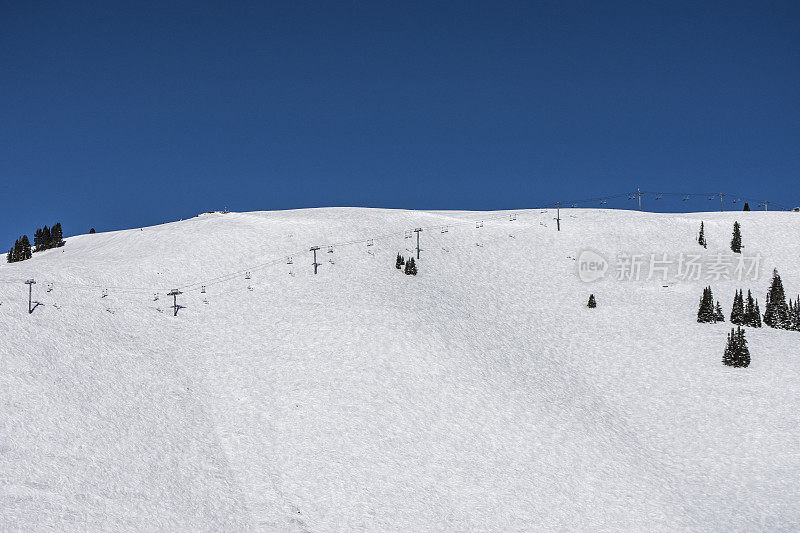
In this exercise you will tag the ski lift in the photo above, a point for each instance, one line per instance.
(574, 205)
(479, 224)
(735, 200)
(407, 234)
(249, 287)
(202, 289)
(444, 229)
(330, 249)
(659, 196)
(155, 297)
(371, 242)
(289, 260)
(331, 261)
(512, 217)
(247, 275)
(105, 293)
(603, 202)
(631, 197)
(49, 287)
(685, 197)
(711, 197)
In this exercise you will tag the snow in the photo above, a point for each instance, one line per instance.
(481, 394)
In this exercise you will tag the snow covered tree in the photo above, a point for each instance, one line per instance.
(719, 316)
(752, 315)
(776, 315)
(736, 241)
(794, 314)
(592, 303)
(411, 267)
(736, 352)
(399, 262)
(701, 238)
(737, 313)
(705, 314)
(746, 207)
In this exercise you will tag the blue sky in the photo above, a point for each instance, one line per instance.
(119, 115)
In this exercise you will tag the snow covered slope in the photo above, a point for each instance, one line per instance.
(481, 394)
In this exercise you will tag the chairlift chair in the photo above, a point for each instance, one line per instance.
(247, 275)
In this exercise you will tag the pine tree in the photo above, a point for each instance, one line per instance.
(746, 207)
(757, 316)
(37, 240)
(57, 235)
(736, 352)
(592, 303)
(26, 247)
(742, 352)
(719, 316)
(47, 240)
(776, 314)
(701, 239)
(16, 254)
(752, 317)
(794, 315)
(736, 241)
(730, 349)
(411, 267)
(10, 255)
(705, 314)
(399, 262)
(737, 313)
(91, 230)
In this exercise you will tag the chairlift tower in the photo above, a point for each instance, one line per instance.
(558, 216)
(721, 195)
(174, 293)
(314, 250)
(30, 283)
(417, 230)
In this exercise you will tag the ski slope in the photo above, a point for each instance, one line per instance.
(480, 395)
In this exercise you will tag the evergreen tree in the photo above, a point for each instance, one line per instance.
(794, 314)
(399, 261)
(742, 352)
(701, 239)
(719, 316)
(757, 316)
(10, 255)
(736, 241)
(592, 303)
(737, 313)
(730, 349)
(705, 314)
(15, 255)
(57, 235)
(25, 245)
(736, 352)
(91, 230)
(752, 316)
(37, 239)
(411, 267)
(47, 241)
(746, 207)
(776, 314)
